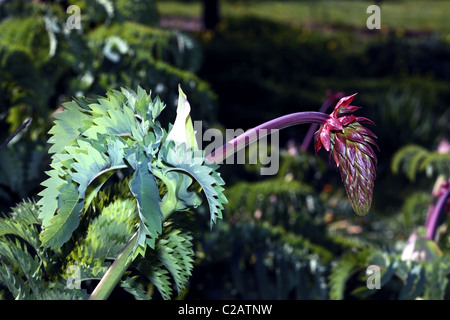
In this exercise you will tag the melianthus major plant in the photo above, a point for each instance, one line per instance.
(87, 225)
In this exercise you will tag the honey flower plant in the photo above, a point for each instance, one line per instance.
(340, 133)
(169, 173)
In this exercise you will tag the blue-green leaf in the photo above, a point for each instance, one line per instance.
(68, 126)
(194, 164)
(145, 190)
(49, 196)
(61, 226)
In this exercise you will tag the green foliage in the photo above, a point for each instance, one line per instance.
(144, 189)
(105, 237)
(343, 270)
(203, 172)
(60, 227)
(86, 214)
(172, 258)
(48, 274)
(414, 208)
(24, 35)
(104, 12)
(119, 132)
(437, 280)
(413, 159)
(259, 261)
(26, 268)
(403, 280)
(169, 260)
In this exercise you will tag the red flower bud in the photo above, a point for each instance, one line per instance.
(350, 146)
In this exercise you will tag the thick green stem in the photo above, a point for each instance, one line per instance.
(115, 272)
(119, 266)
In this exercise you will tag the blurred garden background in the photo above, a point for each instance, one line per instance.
(289, 236)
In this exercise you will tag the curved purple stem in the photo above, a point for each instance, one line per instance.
(432, 223)
(232, 146)
(332, 98)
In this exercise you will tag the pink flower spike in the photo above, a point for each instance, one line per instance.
(349, 144)
(347, 110)
(340, 144)
(317, 142)
(345, 101)
(343, 104)
(364, 120)
(345, 120)
(335, 124)
(325, 137)
(355, 136)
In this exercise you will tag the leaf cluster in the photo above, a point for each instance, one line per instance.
(413, 159)
(399, 279)
(29, 271)
(91, 140)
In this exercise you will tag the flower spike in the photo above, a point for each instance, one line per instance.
(340, 133)
(350, 146)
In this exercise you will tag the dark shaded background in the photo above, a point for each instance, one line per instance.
(282, 236)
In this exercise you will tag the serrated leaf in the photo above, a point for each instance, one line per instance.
(68, 126)
(145, 189)
(49, 196)
(134, 287)
(175, 252)
(116, 151)
(157, 274)
(60, 291)
(88, 163)
(344, 268)
(17, 228)
(26, 212)
(14, 283)
(16, 254)
(142, 104)
(106, 236)
(338, 278)
(94, 188)
(61, 226)
(118, 122)
(203, 172)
